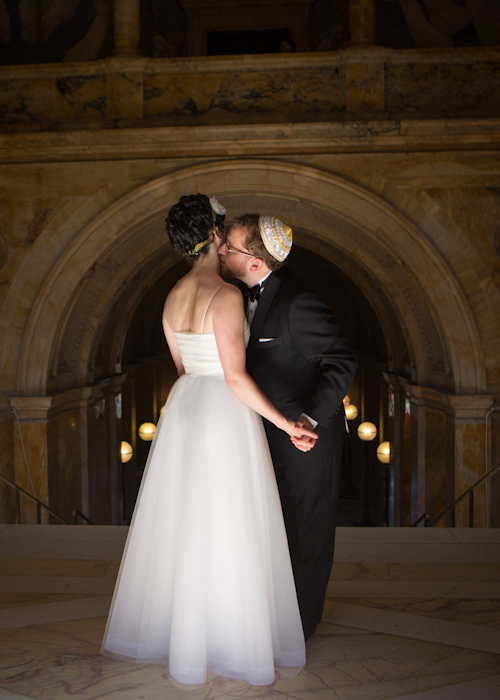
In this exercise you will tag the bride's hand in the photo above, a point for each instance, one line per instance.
(302, 437)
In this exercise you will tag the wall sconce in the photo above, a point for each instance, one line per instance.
(351, 412)
(126, 452)
(147, 431)
(385, 452)
(367, 432)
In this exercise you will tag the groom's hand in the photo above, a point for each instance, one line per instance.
(304, 443)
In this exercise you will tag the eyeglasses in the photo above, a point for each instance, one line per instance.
(239, 252)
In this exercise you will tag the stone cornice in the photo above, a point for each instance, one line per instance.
(252, 140)
(460, 406)
(252, 62)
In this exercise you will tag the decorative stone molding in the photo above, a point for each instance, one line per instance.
(32, 408)
(459, 406)
(471, 407)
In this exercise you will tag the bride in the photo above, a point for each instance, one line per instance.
(205, 583)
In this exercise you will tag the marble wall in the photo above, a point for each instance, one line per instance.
(407, 208)
(374, 82)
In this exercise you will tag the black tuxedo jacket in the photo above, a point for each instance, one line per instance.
(297, 353)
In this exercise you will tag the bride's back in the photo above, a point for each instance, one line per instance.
(188, 304)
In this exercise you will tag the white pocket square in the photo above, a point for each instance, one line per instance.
(266, 340)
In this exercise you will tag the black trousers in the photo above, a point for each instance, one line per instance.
(308, 484)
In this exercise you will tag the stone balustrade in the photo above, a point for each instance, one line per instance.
(358, 83)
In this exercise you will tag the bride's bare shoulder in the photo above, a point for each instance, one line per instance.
(228, 291)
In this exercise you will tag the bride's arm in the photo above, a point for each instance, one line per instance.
(172, 342)
(228, 324)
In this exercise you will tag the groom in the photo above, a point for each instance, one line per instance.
(302, 362)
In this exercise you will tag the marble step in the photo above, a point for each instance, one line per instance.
(432, 545)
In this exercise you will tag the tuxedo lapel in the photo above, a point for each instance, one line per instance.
(265, 301)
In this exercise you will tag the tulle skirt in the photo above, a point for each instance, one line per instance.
(205, 584)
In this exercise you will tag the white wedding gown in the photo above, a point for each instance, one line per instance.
(205, 583)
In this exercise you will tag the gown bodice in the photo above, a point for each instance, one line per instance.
(199, 352)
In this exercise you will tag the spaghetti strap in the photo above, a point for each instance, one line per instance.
(170, 317)
(211, 298)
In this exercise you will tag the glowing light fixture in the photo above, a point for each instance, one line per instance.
(351, 411)
(367, 432)
(126, 451)
(346, 401)
(385, 452)
(147, 431)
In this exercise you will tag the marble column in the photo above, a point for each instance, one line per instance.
(362, 23)
(114, 406)
(397, 507)
(433, 449)
(69, 452)
(450, 453)
(33, 412)
(470, 456)
(127, 27)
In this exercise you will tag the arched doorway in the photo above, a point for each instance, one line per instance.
(76, 332)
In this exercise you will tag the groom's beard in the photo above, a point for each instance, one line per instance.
(236, 271)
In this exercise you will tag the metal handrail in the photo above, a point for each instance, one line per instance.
(467, 494)
(76, 514)
(39, 505)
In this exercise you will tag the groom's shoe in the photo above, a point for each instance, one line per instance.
(309, 632)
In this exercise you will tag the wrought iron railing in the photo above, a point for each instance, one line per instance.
(469, 494)
(39, 506)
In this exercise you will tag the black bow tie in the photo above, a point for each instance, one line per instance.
(253, 293)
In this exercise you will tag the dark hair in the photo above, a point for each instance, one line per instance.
(253, 240)
(190, 222)
(291, 43)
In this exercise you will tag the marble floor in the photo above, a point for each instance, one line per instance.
(411, 613)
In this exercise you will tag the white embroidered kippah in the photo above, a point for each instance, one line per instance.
(276, 236)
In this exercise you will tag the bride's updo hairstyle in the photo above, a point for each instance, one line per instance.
(192, 222)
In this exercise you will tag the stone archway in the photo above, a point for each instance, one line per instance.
(409, 284)
(425, 295)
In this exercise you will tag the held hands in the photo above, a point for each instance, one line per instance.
(302, 434)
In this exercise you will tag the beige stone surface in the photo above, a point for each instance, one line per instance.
(385, 163)
(320, 87)
(364, 87)
(124, 92)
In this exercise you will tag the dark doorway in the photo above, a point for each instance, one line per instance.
(246, 41)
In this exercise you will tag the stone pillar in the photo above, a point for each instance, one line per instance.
(127, 27)
(69, 453)
(114, 408)
(364, 61)
(362, 23)
(397, 506)
(33, 414)
(434, 450)
(450, 452)
(470, 456)
(105, 474)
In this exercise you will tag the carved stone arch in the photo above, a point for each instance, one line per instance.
(429, 304)
(453, 243)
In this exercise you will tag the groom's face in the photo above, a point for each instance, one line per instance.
(232, 261)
